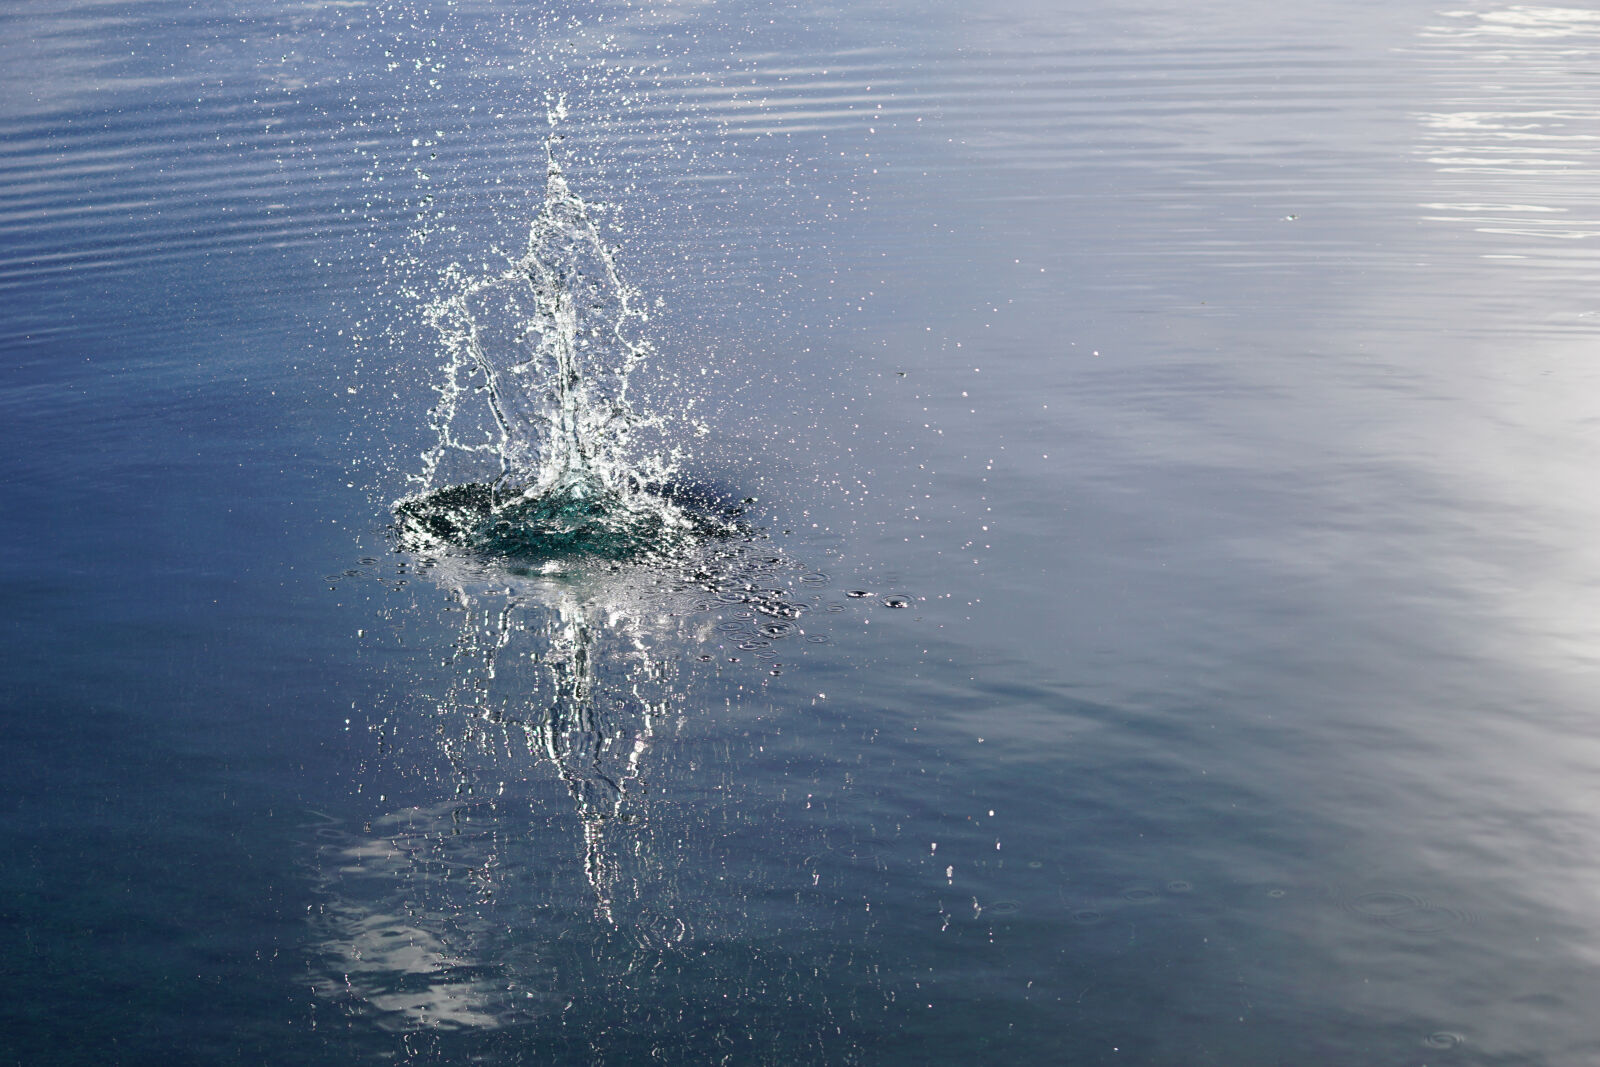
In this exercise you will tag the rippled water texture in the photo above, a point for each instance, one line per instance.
(781, 535)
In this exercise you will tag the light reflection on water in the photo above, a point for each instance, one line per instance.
(1521, 122)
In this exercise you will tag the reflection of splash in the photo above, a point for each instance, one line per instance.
(445, 915)
(1518, 145)
(431, 915)
(531, 688)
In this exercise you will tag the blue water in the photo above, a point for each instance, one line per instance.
(1201, 397)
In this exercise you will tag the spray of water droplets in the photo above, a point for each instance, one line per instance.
(538, 361)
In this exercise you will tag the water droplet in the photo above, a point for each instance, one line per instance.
(1140, 895)
(1444, 1039)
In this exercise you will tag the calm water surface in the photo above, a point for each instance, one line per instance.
(1164, 629)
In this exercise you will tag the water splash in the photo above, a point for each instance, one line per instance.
(539, 359)
(542, 466)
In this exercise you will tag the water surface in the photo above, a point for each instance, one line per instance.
(1147, 618)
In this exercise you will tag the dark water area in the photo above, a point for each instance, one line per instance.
(1159, 626)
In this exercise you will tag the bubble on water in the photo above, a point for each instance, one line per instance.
(857, 594)
(1178, 885)
(1087, 917)
(1140, 895)
(656, 930)
(1002, 909)
(1444, 1040)
(896, 601)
